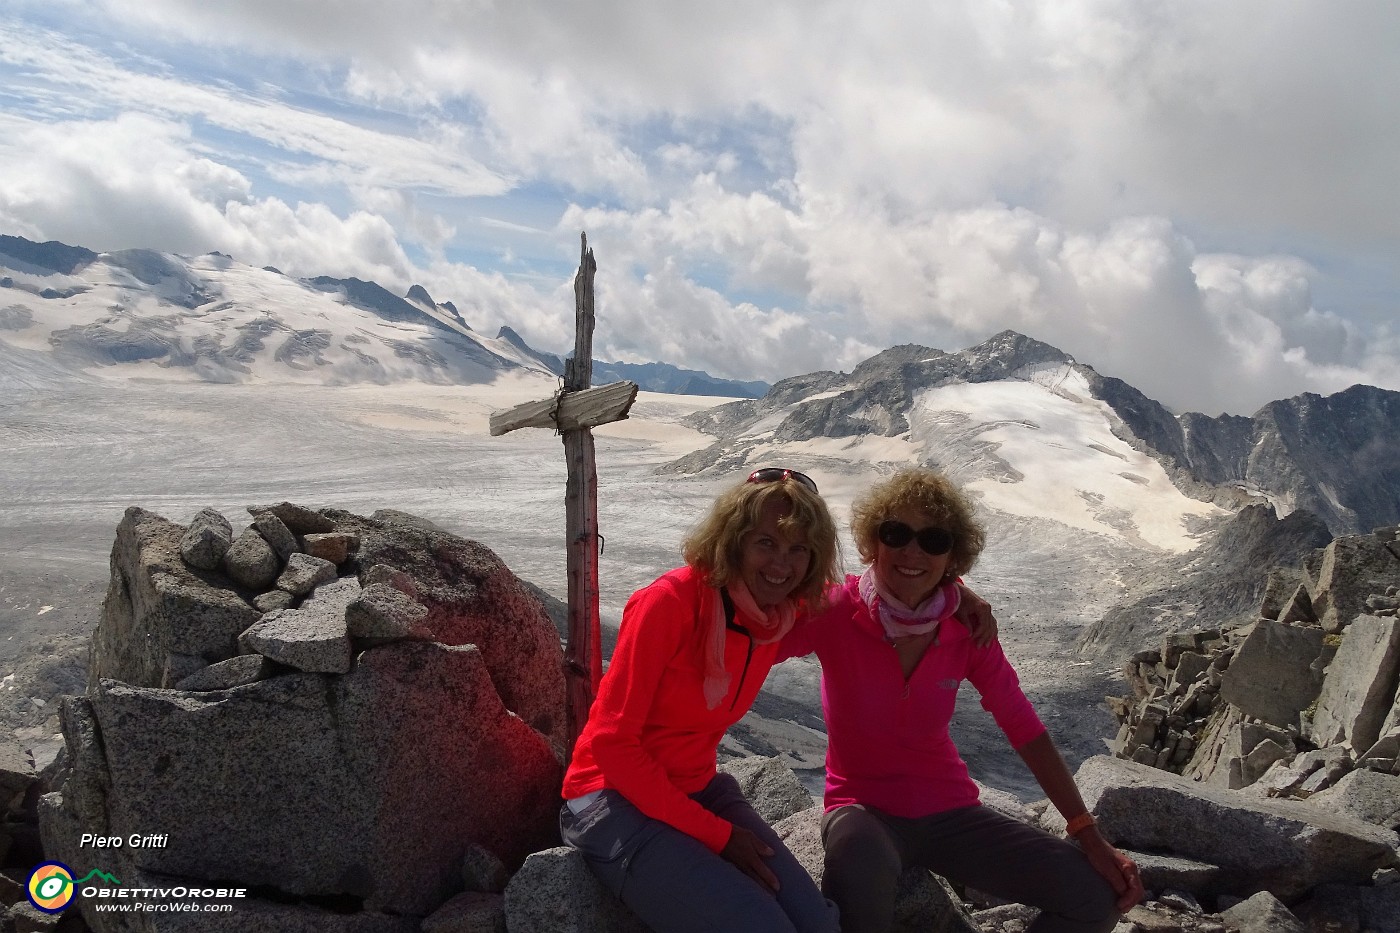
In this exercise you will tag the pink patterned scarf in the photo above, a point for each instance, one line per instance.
(897, 619)
(764, 627)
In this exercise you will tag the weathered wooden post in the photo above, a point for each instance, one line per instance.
(574, 411)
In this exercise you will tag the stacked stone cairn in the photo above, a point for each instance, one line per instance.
(353, 719)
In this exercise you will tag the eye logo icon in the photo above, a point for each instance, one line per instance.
(51, 887)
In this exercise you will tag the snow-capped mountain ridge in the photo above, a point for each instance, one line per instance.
(210, 318)
(1334, 456)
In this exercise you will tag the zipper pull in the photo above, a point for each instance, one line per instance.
(905, 695)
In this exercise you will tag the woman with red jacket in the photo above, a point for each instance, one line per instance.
(676, 841)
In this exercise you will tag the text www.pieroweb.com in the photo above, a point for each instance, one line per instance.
(168, 907)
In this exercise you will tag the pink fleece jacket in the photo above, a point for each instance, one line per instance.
(887, 739)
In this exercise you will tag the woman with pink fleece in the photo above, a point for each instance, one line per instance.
(897, 792)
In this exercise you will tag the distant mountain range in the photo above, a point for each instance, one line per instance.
(213, 319)
(1338, 456)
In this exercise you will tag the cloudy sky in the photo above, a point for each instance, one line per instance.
(1200, 198)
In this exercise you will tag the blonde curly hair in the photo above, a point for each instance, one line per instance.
(715, 547)
(929, 492)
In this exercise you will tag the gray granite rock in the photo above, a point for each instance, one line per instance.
(472, 912)
(1262, 913)
(473, 598)
(235, 672)
(383, 573)
(332, 546)
(1283, 846)
(298, 519)
(313, 638)
(1351, 907)
(16, 768)
(1360, 685)
(206, 540)
(305, 572)
(180, 666)
(1299, 608)
(1353, 567)
(275, 533)
(770, 786)
(555, 890)
(251, 562)
(1006, 804)
(1385, 754)
(382, 612)
(1165, 872)
(1270, 677)
(1366, 795)
(273, 600)
(482, 871)
(156, 605)
(376, 779)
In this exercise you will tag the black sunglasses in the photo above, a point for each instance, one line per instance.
(778, 474)
(933, 541)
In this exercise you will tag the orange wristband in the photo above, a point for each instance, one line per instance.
(1080, 823)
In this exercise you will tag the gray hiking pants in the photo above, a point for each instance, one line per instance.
(675, 884)
(867, 850)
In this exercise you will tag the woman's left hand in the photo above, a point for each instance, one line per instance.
(975, 613)
(1117, 869)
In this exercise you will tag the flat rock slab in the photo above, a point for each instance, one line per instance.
(298, 519)
(1360, 685)
(1366, 795)
(313, 638)
(305, 572)
(235, 672)
(1271, 676)
(1281, 846)
(1353, 568)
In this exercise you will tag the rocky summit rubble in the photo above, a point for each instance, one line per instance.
(1291, 702)
(358, 723)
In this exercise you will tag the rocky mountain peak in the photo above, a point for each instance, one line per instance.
(420, 294)
(1009, 351)
(51, 256)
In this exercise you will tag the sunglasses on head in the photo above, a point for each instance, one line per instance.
(932, 541)
(778, 474)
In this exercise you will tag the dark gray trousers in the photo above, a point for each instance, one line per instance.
(867, 850)
(675, 884)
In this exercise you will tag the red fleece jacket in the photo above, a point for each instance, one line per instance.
(649, 735)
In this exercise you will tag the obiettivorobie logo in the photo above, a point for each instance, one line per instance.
(52, 885)
(52, 889)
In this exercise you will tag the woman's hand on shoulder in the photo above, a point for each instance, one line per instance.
(1116, 868)
(975, 613)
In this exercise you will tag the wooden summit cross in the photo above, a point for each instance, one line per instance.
(573, 411)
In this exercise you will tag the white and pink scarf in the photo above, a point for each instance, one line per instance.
(764, 627)
(897, 619)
